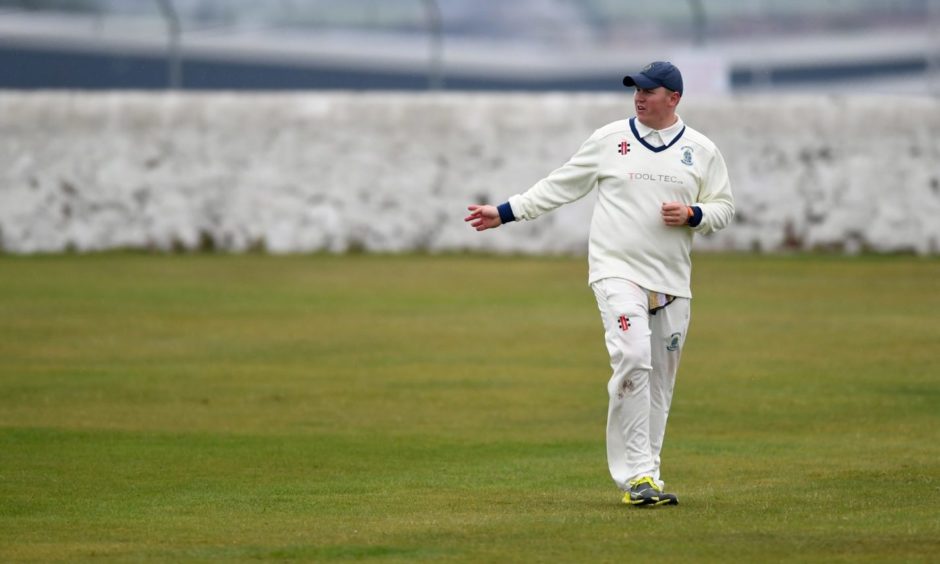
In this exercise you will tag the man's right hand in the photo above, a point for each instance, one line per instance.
(483, 217)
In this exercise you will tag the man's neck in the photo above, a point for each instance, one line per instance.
(665, 123)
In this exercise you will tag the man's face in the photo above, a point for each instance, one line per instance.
(655, 106)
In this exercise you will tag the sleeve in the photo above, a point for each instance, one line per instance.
(572, 181)
(714, 197)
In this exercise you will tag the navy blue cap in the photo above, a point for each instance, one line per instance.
(654, 75)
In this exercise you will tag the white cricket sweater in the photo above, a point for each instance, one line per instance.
(628, 236)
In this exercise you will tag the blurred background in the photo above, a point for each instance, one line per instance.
(297, 125)
(848, 46)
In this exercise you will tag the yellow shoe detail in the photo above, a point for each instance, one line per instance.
(645, 480)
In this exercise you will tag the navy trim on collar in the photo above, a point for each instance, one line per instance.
(647, 145)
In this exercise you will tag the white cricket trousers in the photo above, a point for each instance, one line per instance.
(644, 356)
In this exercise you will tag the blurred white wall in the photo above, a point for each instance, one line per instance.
(394, 171)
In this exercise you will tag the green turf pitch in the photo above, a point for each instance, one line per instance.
(408, 409)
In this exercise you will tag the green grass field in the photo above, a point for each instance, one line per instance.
(403, 409)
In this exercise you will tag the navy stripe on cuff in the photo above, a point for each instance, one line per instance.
(505, 213)
(696, 216)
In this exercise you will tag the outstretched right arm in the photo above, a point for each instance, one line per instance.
(570, 182)
(566, 184)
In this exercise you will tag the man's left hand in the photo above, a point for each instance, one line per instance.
(675, 214)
